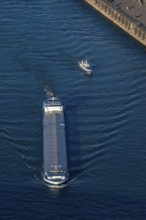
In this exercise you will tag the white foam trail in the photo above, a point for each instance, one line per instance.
(48, 93)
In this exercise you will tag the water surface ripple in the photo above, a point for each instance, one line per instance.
(40, 44)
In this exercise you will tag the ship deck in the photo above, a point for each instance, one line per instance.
(54, 149)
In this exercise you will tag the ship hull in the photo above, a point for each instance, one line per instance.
(55, 161)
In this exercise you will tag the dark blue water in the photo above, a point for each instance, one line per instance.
(40, 44)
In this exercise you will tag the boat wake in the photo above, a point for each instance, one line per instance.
(49, 94)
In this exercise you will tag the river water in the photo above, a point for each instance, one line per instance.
(40, 44)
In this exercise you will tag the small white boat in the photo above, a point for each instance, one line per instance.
(84, 65)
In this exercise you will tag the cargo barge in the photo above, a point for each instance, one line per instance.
(55, 161)
(129, 15)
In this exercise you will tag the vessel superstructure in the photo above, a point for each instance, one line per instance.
(55, 161)
(85, 66)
